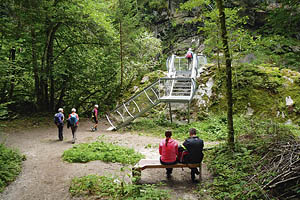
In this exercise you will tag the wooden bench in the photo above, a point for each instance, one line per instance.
(151, 164)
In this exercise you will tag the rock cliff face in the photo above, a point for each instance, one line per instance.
(173, 25)
(258, 91)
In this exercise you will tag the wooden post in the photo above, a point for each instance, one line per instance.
(200, 171)
(188, 112)
(170, 112)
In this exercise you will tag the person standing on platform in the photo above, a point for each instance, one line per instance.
(189, 56)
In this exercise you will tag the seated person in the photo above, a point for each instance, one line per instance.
(168, 149)
(194, 146)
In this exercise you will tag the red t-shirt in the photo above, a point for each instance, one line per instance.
(95, 113)
(168, 153)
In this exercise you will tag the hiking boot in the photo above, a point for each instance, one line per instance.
(195, 181)
(93, 129)
(73, 140)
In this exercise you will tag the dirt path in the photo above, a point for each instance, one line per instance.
(46, 177)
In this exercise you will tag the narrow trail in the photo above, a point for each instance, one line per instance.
(46, 177)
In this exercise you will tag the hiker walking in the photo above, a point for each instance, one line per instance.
(95, 117)
(73, 122)
(59, 121)
(189, 57)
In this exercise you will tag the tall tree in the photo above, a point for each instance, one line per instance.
(228, 73)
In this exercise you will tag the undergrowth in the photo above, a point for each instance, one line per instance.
(263, 166)
(210, 128)
(10, 165)
(104, 187)
(100, 150)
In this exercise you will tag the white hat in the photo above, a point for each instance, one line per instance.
(73, 110)
(60, 110)
(96, 105)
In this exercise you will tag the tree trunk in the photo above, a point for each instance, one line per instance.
(37, 89)
(47, 72)
(121, 45)
(121, 55)
(228, 73)
(13, 73)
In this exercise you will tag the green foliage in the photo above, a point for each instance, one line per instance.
(3, 111)
(100, 150)
(278, 50)
(213, 128)
(66, 53)
(231, 170)
(10, 165)
(262, 87)
(239, 174)
(104, 187)
(240, 40)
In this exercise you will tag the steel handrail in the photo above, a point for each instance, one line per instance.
(136, 95)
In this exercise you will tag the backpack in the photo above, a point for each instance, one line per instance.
(73, 119)
(56, 118)
(189, 55)
(182, 155)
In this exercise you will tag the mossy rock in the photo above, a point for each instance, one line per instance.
(264, 87)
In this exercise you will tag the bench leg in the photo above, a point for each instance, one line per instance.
(200, 171)
(136, 174)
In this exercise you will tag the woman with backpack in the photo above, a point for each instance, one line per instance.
(73, 122)
(59, 122)
(189, 56)
(168, 149)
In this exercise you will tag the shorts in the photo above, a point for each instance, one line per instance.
(95, 120)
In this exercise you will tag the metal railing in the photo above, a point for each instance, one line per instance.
(160, 90)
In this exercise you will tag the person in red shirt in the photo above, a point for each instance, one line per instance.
(95, 117)
(168, 149)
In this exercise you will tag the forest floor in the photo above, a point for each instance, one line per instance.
(45, 176)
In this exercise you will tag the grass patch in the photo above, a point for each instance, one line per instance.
(104, 187)
(212, 128)
(100, 150)
(10, 165)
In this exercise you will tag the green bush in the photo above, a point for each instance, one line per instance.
(10, 165)
(103, 187)
(100, 150)
(241, 174)
(231, 170)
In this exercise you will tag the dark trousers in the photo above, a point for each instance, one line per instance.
(74, 129)
(60, 131)
(193, 172)
(169, 170)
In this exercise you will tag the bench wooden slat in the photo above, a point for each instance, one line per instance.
(147, 163)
